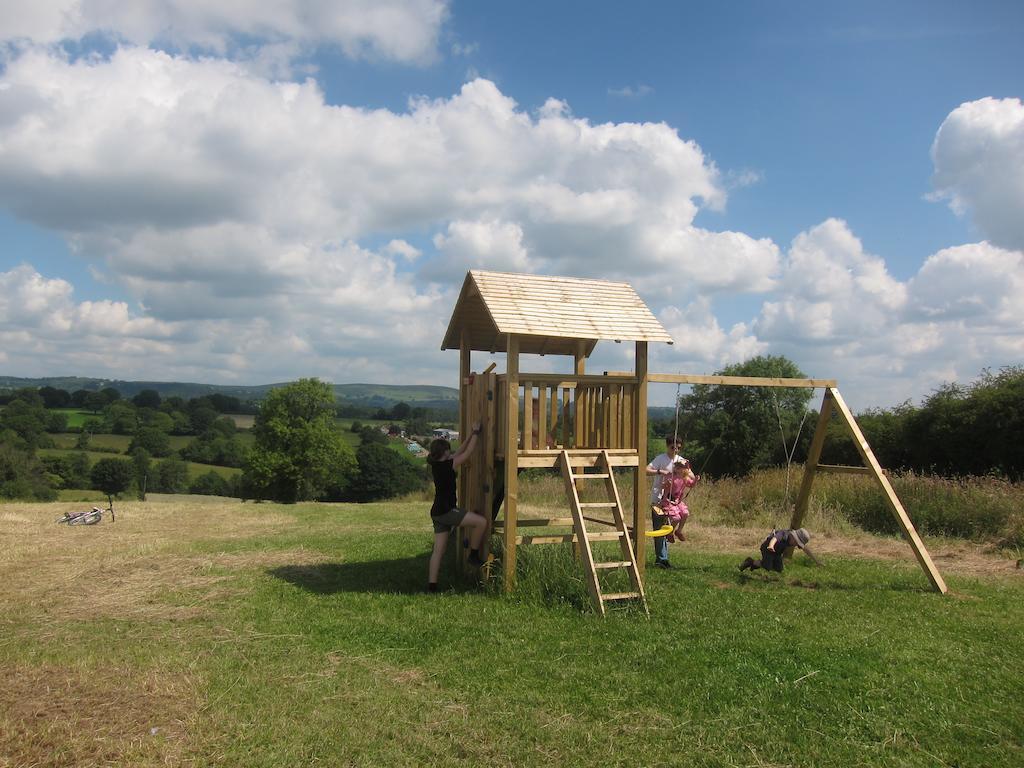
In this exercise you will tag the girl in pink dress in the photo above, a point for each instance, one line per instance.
(673, 490)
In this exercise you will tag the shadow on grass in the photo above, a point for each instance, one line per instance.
(406, 576)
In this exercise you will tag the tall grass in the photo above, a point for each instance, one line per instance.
(984, 509)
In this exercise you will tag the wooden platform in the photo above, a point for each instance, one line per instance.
(623, 457)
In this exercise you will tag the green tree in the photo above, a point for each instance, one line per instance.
(55, 398)
(298, 449)
(95, 402)
(120, 418)
(22, 475)
(147, 398)
(27, 418)
(153, 441)
(730, 430)
(112, 476)
(383, 474)
(170, 475)
(210, 484)
(141, 460)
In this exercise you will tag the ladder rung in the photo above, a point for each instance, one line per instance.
(593, 504)
(604, 536)
(601, 476)
(551, 522)
(614, 564)
(622, 596)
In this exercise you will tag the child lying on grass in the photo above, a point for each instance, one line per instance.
(773, 549)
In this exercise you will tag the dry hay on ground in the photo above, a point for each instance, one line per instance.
(67, 715)
(949, 555)
(126, 569)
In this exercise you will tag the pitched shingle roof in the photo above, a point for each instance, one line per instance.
(551, 315)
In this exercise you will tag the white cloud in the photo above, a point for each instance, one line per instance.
(978, 155)
(701, 344)
(976, 283)
(400, 30)
(831, 290)
(495, 245)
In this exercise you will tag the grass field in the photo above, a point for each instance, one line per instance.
(203, 632)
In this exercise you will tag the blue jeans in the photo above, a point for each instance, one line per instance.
(660, 542)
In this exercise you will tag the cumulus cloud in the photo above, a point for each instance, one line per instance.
(831, 290)
(978, 155)
(154, 160)
(400, 30)
(838, 312)
(701, 342)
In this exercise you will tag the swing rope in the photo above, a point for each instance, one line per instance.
(787, 451)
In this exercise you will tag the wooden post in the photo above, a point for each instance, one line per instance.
(511, 458)
(909, 532)
(465, 395)
(640, 505)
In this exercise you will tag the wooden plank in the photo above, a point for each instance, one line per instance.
(526, 441)
(565, 380)
(611, 564)
(622, 596)
(552, 433)
(542, 417)
(843, 470)
(463, 482)
(550, 459)
(539, 539)
(534, 522)
(490, 447)
(511, 460)
(909, 532)
(609, 536)
(565, 418)
(739, 381)
(640, 492)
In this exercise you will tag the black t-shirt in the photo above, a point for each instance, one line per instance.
(444, 487)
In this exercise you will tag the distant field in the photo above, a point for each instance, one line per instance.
(76, 417)
(242, 420)
(194, 469)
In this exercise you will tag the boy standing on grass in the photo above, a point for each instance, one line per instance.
(661, 466)
(445, 512)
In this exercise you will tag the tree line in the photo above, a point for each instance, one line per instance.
(958, 430)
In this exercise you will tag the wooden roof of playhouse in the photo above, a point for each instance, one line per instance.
(550, 315)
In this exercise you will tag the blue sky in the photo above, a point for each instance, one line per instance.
(188, 192)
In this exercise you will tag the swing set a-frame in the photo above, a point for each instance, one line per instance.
(588, 426)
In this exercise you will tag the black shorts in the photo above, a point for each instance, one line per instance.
(449, 520)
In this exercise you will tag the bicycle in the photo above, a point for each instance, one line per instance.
(88, 517)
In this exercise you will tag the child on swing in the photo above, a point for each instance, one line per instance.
(673, 490)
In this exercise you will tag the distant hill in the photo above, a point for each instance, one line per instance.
(375, 395)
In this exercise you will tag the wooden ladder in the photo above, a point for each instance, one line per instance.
(584, 537)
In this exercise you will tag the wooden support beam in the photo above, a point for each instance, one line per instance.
(640, 492)
(463, 482)
(739, 381)
(909, 532)
(511, 459)
(837, 469)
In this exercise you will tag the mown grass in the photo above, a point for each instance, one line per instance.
(221, 633)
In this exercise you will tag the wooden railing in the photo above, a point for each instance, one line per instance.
(571, 411)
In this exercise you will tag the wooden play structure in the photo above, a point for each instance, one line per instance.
(586, 426)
